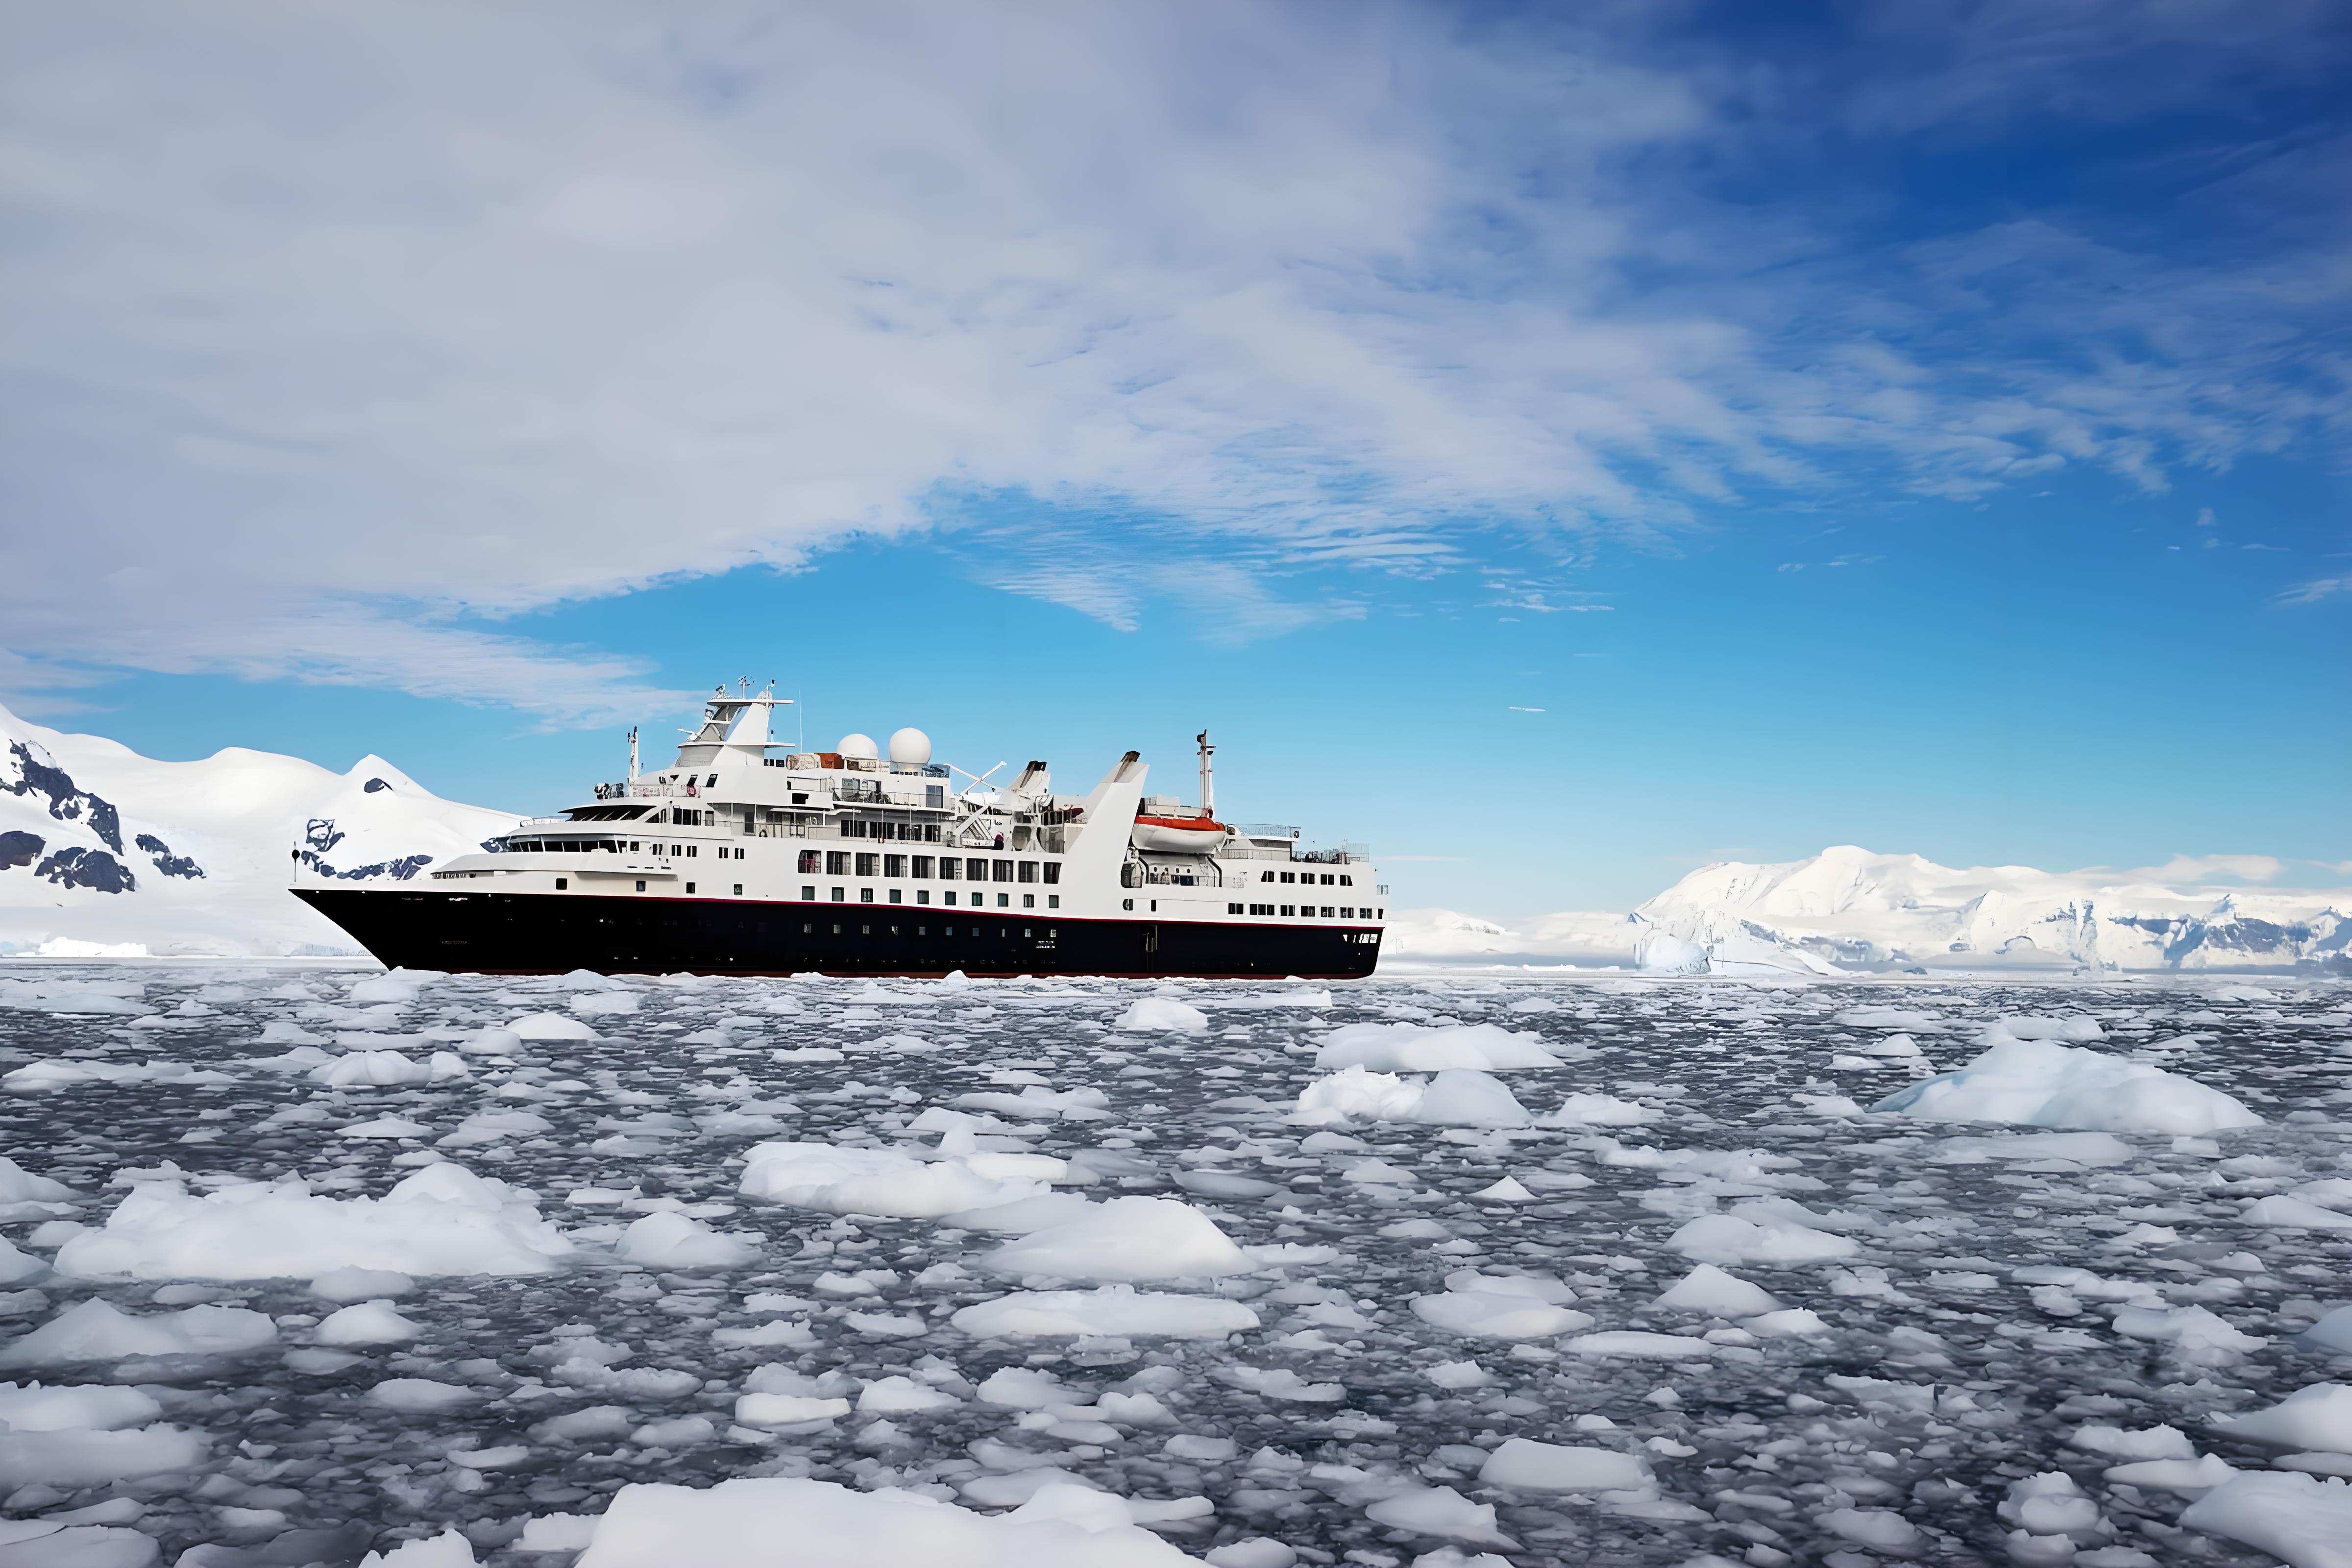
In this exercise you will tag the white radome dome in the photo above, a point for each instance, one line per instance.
(909, 747)
(856, 745)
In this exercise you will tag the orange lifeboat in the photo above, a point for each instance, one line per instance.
(1191, 833)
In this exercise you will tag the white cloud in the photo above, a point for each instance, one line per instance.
(2196, 868)
(2314, 591)
(340, 335)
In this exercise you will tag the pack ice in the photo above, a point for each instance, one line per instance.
(308, 1264)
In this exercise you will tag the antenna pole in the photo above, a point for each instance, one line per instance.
(633, 754)
(1208, 776)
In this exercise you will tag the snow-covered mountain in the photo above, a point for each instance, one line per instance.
(1847, 908)
(100, 846)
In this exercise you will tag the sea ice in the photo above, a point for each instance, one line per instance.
(442, 1219)
(2318, 1417)
(741, 1523)
(2039, 1084)
(2302, 1519)
(1524, 1465)
(1126, 1239)
(889, 1182)
(1415, 1047)
(95, 1330)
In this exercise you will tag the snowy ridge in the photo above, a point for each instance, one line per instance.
(1847, 908)
(101, 847)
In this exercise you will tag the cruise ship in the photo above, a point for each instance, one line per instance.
(748, 857)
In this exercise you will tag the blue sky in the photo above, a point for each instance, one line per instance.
(1915, 425)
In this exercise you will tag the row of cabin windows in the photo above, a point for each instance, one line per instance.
(918, 832)
(924, 867)
(923, 896)
(1308, 877)
(605, 846)
(808, 927)
(1307, 911)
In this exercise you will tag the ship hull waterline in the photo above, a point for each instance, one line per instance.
(554, 934)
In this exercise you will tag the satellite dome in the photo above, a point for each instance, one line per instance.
(911, 747)
(856, 745)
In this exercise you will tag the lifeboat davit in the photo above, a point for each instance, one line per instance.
(1198, 833)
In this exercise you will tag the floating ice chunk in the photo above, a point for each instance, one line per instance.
(492, 1041)
(1727, 1238)
(371, 1069)
(1253, 1551)
(1113, 1309)
(1415, 1048)
(2039, 1084)
(366, 1323)
(1524, 1465)
(2300, 1520)
(551, 1026)
(442, 1219)
(16, 1267)
(1039, 1102)
(2316, 1418)
(2194, 1334)
(95, 1330)
(1357, 1094)
(506, 1455)
(447, 1550)
(1880, 1529)
(2154, 1443)
(1128, 1238)
(1440, 1511)
(1710, 1290)
(85, 1456)
(1025, 1388)
(386, 1127)
(901, 1395)
(1155, 1014)
(1467, 1097)
(1637, 1343)
(65, 1406)
(2283, 1211)
(757, 1409)
(891, 1182)
(1279, 1383)
(2190, 1478)
(2332, 1332)
(1498, 1315)
(422, 1395)
(739, 1523)
(605, 1004)
(19, 1185)
(1459, 1374)
(1788, 1321)
(1509, 1190)
(2049, 1504)
(670, 1240)
(1599, 1111)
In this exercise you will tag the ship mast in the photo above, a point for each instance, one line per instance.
(1208, 776)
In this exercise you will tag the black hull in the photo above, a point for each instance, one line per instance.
(553, 933)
